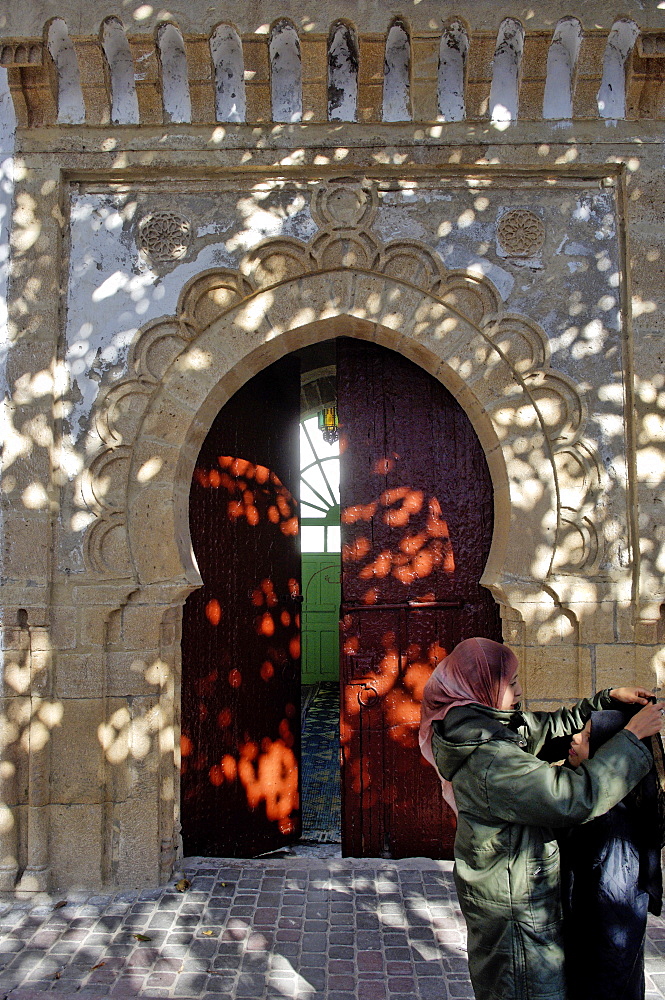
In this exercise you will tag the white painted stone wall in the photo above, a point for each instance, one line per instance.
(175, 84)
(342, 76)
(71, 109)
(396, 82)
(114, 290)
(453, 51)
(612, 93)
(124, 102)
(285, 73)
(506, 71)
(561, 66)
(226, 52)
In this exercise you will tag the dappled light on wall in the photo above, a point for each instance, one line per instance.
(285, 73)
(453, 52)
(71, 109)
(342, 73)
(175, 80)
(534, 344)
(227, 58)
(397, 75)
(506, 72)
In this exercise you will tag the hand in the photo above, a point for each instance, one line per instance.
(631, 696)
(647, 721)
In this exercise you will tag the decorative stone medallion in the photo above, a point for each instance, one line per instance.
(520, 233)
(345, 203)
(164, 236)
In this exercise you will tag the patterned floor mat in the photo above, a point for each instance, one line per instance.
(321, 807)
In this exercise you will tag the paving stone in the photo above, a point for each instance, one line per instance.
(277, 931)
(462, 990)
(341, 937)
(424, 969)
(314, 942)
(341, 982)
(217, 987)
(313, 960)
(368, 940)
(191, 985)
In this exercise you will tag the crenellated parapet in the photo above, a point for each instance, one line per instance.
(283, 74)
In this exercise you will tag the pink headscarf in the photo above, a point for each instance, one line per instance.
(477, 671)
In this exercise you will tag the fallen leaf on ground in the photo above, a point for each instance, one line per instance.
(63, 902)
(208, 933)
(57, 975)
(142, 937)
(183, 885)
(98, 966)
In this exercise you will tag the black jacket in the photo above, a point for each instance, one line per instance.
(610, 877)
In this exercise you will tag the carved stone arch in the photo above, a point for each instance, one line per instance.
(231, 324)
(190, 406)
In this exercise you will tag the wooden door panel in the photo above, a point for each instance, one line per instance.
(241, 630)
(387, 656)
(416, 513)
(363, 814)
(428, 634)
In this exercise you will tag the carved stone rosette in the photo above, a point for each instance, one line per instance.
(164, 237)
(520, 233)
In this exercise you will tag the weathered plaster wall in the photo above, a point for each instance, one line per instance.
(114, 289)
(107, 267)
(118, 363)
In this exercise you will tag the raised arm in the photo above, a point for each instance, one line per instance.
(543, 726)
(522, 789)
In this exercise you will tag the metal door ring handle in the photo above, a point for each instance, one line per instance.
(368, 696)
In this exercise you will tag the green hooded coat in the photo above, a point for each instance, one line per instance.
(506, 857)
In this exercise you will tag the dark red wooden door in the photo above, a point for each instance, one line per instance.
(241, 630)
(417, 513)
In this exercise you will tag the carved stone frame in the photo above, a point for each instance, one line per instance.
(229, 325)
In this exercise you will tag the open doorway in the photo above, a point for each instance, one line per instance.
(415, 509)
(320, 546)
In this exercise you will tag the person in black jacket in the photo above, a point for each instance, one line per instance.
(610, 878)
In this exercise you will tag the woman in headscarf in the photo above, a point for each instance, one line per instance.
(610, 878)
(508, 802)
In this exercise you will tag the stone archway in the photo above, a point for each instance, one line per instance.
(285, 295)
(529, 418)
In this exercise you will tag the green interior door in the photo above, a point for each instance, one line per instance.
(320, 618)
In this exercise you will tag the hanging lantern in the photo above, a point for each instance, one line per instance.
(328, 424)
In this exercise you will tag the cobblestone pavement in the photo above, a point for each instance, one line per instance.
(297, 927)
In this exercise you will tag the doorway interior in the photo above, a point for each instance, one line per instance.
(320, 545)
